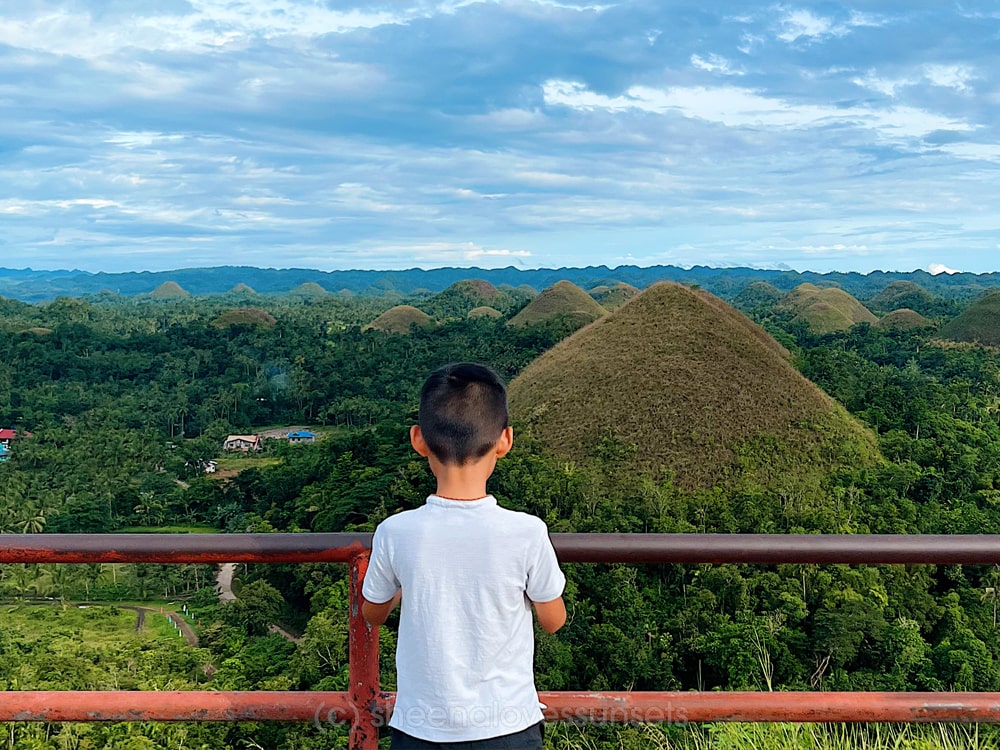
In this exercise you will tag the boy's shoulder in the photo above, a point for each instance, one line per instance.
(505, 516)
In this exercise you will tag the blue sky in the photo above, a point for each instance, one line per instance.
(285, 133)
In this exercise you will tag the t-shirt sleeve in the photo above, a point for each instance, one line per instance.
(380, 583)
(545, 581)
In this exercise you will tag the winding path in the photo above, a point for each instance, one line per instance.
(224, 585)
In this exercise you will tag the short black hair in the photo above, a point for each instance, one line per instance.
(463, 411)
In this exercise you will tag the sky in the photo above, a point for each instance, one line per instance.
(140, 135)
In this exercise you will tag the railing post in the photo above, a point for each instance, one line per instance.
(363, 669)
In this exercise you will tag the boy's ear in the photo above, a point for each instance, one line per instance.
(505, 443)
(418, 442)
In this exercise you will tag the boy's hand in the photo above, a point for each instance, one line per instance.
(376, 614)
(551, 615)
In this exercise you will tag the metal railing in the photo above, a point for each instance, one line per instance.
(366, 707)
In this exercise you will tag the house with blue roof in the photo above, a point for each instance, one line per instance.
(301, 436)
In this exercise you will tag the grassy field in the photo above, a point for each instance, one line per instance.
(191, 528)
(774, 737)
(238, 463)
(93, 648)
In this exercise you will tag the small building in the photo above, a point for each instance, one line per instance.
(242, 443)
(301, 436)
(8, 435)
(4, 452)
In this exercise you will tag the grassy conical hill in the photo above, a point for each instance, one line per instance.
(697, 388)
(484, 312)
(825, 310)
(169, 290)
(614, 296)
(980, 323)
(309, 289)
(243, 289)
(245, 316)
(903, 320)
(461, 297)
(399, 319)
(563, 301)
(902, 294)
(757, 294)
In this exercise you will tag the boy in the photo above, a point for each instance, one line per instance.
(467, 572)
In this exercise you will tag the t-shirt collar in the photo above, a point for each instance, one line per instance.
(440, 502)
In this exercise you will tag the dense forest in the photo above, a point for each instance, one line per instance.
(117, 406)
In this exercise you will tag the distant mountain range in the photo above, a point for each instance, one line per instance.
(40, 286)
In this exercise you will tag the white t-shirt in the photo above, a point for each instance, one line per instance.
(469, 571)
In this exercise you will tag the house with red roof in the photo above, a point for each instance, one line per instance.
(8, 435)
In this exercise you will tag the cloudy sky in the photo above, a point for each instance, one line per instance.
(337, 134)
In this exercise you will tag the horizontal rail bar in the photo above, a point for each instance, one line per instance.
(176, 705)
(615, 708)
(632, 548)
(181, 548)
(806, 707)
(779, 548)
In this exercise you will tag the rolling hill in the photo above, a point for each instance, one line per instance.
(563, 301)
(701, 392)
(825, 309)
(400, 319)
(903, 319)
(613, 296)
(979, 323)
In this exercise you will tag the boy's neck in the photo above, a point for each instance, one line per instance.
(462, 483)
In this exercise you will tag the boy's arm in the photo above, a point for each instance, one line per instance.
(377, 614)
(551, 615)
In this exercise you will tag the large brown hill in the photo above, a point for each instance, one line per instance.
(400, 319)
(561, 301)
(697, 388)
(902, 295)
(826, 309)
(169, 290)
(979, 324)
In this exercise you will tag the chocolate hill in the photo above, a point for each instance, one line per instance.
(309, 289)
(979, 323)
(400, 319)
(698, 389)
(758, 294)
(169, 290)
(484, 311)
(562, 301)
(614, 296)
(903, 320)
(242, 289)
(825, 310)
(463, 296)
(902, 295)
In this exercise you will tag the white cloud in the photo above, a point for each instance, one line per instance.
(210, 24)
(745, 108)
(949, 76)
(955, 77)
(802, 23)
(936, 268)
(715, 64)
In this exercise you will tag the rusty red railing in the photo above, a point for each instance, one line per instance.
(367, 708)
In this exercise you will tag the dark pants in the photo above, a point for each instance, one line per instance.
(527, 739)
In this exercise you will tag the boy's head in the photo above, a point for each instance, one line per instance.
(463, 412)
